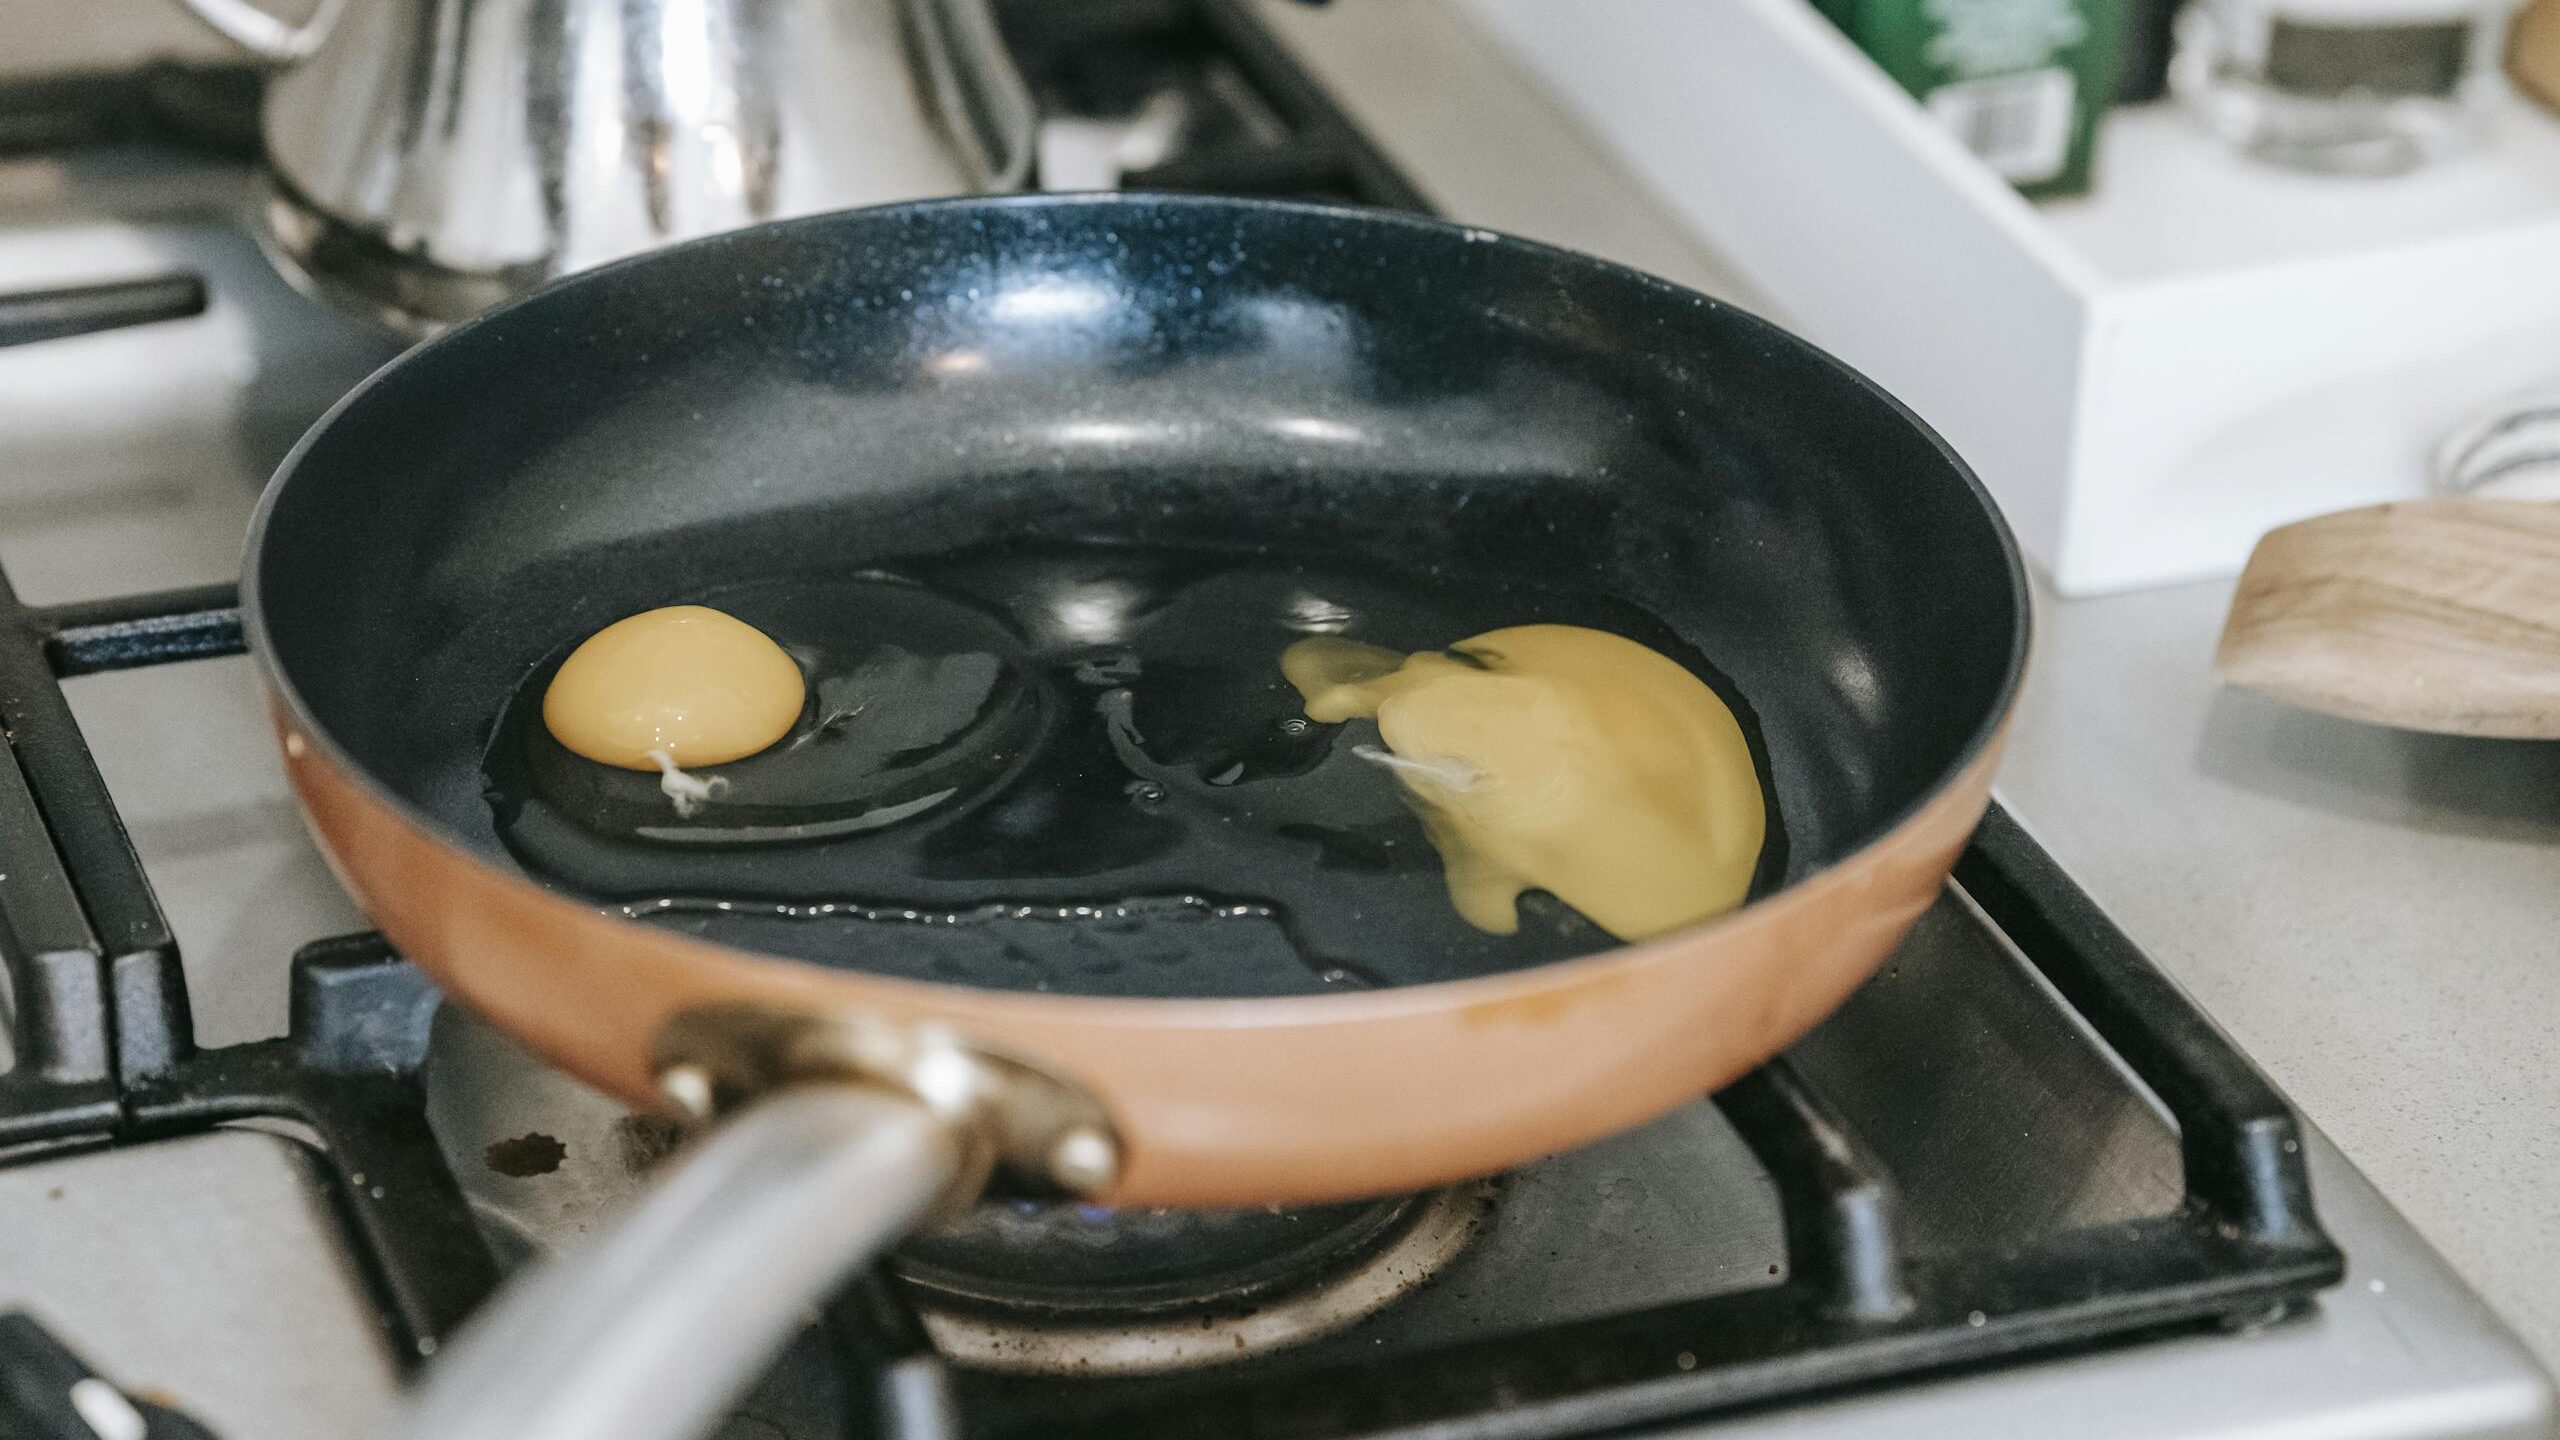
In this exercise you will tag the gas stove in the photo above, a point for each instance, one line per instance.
(255, 1172)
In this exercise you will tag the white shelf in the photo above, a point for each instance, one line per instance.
(2148, 378)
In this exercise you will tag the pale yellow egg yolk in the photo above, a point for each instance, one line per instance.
(672, 688)
(1557, 758)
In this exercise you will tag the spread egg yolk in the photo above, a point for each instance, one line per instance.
(676, 687)
(1557, 758)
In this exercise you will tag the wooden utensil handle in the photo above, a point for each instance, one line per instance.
(2439, 615)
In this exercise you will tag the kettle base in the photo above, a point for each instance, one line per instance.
(365, 276)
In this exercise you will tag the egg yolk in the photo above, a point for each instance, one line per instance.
(1557, 758)
(670, 688)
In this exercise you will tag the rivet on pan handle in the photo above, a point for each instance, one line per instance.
(1033, 1131)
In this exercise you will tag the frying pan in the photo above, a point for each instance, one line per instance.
(1283, 382)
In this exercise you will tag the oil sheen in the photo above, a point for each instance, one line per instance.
(1078, 768)
(1557, 758)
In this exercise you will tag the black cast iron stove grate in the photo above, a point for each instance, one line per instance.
(104, 1052)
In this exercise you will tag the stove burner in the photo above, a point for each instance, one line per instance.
(1081, 1290)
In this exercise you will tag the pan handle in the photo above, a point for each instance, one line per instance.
(653, 1331)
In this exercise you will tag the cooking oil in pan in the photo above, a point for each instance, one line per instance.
(1084, 769)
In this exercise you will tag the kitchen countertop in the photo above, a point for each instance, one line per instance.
(2370, 913)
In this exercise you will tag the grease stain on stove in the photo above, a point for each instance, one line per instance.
(525, 1156)
(641, 1141)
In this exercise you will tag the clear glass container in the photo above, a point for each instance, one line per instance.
(2362, 87)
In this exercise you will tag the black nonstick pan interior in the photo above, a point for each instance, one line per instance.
(1514, 432)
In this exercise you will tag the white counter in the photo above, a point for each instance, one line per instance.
(2374, 916)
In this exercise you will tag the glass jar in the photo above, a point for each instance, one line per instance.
(2364, 87)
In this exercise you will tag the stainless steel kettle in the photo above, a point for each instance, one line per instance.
(429, 158)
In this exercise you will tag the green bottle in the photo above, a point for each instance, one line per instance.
(2021, 82)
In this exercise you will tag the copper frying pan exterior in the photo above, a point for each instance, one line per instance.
(1219, 1102)
(1844, 563)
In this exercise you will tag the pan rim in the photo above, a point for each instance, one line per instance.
(1210, 1011)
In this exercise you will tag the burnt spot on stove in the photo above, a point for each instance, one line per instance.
(526, 1156)
(643, 1141)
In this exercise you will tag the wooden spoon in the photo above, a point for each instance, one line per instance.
(2439, 615)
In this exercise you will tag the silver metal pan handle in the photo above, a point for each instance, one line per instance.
(654, 1330)
(843, 1130)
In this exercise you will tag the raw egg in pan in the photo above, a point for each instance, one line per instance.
(674, 688)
